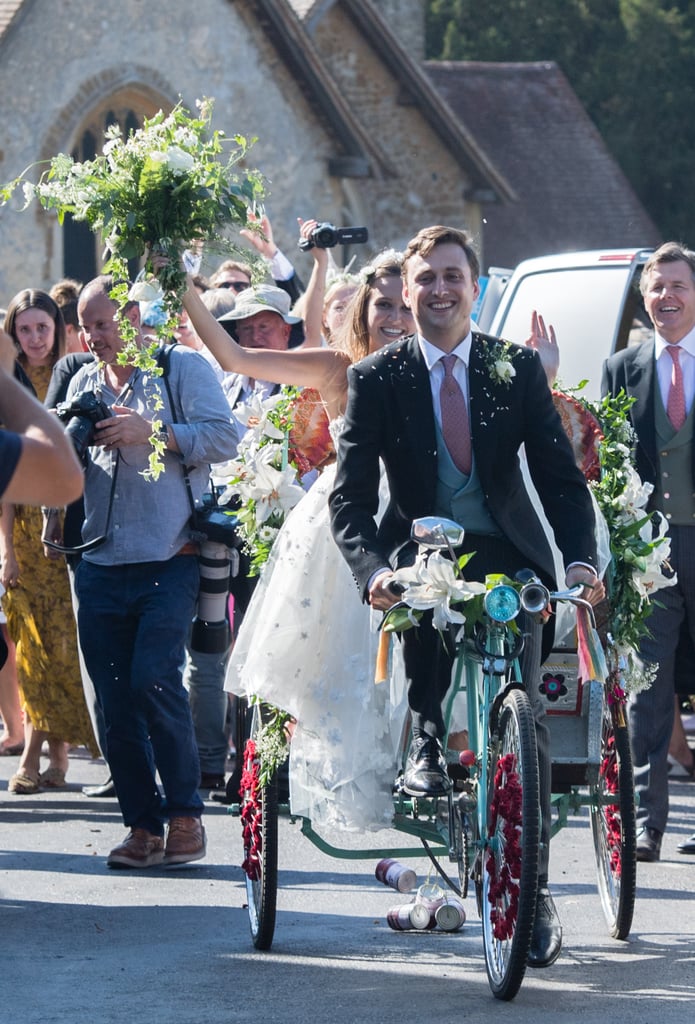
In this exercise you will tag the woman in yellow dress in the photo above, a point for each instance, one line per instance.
(37, 602)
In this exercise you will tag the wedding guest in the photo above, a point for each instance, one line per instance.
(64, 293)
(659, 374)
(37, 602)
(137, 585)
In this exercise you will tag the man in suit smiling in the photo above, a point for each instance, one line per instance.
(449, 432)
(660, 376)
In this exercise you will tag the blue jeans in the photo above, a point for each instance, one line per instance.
(133, 621)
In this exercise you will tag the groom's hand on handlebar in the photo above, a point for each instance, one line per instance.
(594, 590)
(381, 595)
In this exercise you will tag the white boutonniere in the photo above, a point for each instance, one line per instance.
(498, 357)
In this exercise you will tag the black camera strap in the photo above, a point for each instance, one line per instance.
(163, 359)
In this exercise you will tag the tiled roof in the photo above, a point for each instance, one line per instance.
(571, 192)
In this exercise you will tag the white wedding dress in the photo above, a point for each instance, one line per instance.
(308, 645)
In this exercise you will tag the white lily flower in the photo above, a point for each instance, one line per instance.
(636, 494)
(653, 578)
(274, 490)
(432, 583)
(253, 414)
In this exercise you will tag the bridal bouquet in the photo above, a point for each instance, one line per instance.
(165, 188)
(263, 476)
(169, 186)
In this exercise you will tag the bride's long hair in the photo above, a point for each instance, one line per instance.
(353, 335)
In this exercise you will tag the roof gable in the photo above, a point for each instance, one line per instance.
(572, 193)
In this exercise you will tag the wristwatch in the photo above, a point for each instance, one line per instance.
(163, 435)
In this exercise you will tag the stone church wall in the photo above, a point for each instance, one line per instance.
(60, 61)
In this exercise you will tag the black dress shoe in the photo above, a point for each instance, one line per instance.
(546, 940)
(648, 846)
(105, 789)
(425, 770)
(212, 781)
(687, 846)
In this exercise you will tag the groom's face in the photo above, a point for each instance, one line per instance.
(441, 291)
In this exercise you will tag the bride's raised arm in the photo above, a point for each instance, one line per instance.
(320, 368)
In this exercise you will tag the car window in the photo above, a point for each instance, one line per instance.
(590, 309)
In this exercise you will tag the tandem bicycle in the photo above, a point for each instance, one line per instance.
(486, 830)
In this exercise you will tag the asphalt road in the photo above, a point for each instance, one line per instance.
(82, 943)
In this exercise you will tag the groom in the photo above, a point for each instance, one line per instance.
(447, 415)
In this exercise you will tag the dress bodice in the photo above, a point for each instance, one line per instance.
(336, 428)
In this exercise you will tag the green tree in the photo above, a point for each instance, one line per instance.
(629, 61)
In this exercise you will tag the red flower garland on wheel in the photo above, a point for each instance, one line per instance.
(504, 885)
(251, 813)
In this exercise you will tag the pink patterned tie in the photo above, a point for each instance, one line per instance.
(455, 426)
(675, 406)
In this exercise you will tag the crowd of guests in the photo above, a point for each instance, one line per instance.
(62, 685)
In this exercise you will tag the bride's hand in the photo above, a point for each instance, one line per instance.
(545, 344)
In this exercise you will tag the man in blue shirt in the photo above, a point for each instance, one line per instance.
(137, 585)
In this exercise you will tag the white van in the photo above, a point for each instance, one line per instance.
(592, 299)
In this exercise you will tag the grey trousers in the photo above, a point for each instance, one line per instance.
(650, 713)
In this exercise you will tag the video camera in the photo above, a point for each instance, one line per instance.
(326, 236)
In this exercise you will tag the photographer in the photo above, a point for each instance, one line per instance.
(137, 583)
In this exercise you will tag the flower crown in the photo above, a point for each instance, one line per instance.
(388, 256)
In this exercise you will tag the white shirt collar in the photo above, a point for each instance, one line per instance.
(687, 344)
(431, 354)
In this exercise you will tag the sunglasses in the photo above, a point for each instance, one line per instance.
(237, 286)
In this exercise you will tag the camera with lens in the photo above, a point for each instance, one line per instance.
(79, 416)
(215, 527)
(326, 236)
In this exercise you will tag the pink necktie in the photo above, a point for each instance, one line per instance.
(455, 426)
(675, 406)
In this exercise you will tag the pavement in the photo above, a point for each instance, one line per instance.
(81, 943)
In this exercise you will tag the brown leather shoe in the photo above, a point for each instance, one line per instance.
(185, 841)
(140, 849)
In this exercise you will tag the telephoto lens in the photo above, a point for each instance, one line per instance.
(211, 629)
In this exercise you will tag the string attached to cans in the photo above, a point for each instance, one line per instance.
(431, 907)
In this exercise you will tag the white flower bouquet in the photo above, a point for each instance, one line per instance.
(263, 477)
(170, 185)
(639, 545)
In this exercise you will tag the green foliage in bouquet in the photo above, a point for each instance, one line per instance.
(170, 186)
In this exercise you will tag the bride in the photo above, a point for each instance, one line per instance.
(307, 643)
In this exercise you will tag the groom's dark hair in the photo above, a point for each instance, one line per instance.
(426, 239)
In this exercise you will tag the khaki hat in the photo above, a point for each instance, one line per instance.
(261, 298)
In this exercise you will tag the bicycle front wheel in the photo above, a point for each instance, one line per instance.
(510, 860)
(614, 827)
(259, 820)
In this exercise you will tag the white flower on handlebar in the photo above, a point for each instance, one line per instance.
(432, 584)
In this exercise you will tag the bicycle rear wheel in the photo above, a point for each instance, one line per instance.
(510, 861)
(259, 818)
(614, 827)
